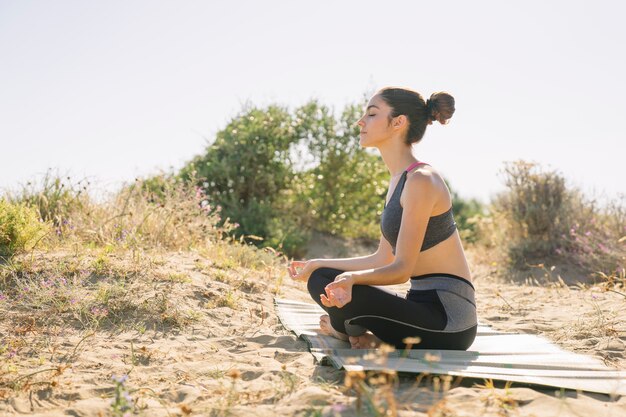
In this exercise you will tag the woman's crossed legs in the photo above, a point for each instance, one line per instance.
(389, 317)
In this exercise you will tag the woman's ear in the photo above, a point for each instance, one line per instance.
(399, 122)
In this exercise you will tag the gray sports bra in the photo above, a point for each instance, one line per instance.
(439, 227)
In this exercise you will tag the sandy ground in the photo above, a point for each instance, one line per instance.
(236, 359)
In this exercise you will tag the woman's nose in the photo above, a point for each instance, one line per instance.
(361, 122)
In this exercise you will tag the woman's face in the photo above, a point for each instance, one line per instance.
(374, 123)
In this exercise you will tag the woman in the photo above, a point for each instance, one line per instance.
(419, 242)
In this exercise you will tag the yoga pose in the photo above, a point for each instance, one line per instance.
(419, 242)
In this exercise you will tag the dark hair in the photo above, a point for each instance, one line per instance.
(440, 107)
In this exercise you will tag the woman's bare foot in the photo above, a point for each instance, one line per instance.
(327, 329)
(365, 341)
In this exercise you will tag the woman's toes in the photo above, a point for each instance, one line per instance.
(354, 342)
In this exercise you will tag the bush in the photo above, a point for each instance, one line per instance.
(20, 228)
(255, 172)
(246, 168)
(539, 219)
(345, 190)
(538, 204)
(466, 214)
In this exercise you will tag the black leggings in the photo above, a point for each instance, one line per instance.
(389, 316)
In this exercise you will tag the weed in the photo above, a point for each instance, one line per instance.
(313, 412)
(222, 276)
(502, 400)
(615, 282)
(179, 277)
(289, 380)
(228, 299)
(122, 403)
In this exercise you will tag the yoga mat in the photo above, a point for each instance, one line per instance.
(522, 358)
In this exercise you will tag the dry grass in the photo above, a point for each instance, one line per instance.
(128, 300)
(131, 298)
(162, 212)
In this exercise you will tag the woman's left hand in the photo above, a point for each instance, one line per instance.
(338, 292)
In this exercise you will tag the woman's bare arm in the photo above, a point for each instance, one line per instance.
(383, 256)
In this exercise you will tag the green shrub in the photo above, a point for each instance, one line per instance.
(345, 189)
(20, 227)
(246, 168)
(467, 214)
(255, 170)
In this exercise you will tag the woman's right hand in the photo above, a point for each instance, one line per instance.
(307, 268)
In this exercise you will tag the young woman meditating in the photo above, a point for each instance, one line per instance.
(419, 242)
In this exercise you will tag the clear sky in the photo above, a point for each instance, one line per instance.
(111, 90)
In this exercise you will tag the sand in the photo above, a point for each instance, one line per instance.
(234, 358)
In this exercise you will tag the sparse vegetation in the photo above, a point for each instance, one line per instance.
(175, 270)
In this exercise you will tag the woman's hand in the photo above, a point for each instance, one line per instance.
(307, 268)
(338, 292)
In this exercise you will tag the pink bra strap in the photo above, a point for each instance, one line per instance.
(415, 164)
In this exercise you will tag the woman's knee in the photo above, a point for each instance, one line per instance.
(319, 279)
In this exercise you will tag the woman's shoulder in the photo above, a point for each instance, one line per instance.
(427, 181)
(425, 175)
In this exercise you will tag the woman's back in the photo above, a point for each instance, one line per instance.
(442, 250)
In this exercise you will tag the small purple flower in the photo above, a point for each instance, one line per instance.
(2, 297)
(99, 312)
(120, 379)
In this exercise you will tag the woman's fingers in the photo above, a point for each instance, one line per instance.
(324, 300)
(293, 273)
(330, 299)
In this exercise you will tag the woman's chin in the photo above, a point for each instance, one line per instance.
(366, 144)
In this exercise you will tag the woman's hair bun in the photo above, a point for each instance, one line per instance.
(440, 107)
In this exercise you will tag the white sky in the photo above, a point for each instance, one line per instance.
(112, 90)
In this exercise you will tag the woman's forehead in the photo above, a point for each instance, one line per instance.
(377, 101)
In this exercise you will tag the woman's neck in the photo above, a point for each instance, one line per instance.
(397, 156)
